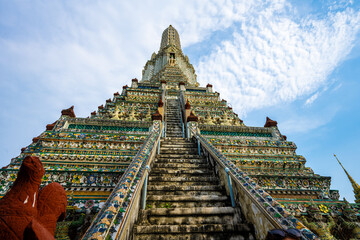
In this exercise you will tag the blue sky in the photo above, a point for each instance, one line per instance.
(296, 62)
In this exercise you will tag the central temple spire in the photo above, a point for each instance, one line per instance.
(169, 64)
(170, 37)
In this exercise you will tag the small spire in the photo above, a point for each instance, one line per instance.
(354, 184)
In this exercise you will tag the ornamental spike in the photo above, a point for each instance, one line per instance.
(354, 184)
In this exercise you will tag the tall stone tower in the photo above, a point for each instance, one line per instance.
(100, 161)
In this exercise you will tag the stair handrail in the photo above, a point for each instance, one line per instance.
(114, 215)
(164, 96)
(182, 110)
(181, 116)
(272, 210)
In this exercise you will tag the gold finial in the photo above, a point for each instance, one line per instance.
(354, 184)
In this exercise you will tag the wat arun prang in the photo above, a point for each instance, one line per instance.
(88, 156)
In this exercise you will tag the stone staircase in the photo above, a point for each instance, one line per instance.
(173, 128)
(185, 199)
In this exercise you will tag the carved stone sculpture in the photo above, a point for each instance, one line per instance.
(349, 221)
(318, 224)
(26, 212)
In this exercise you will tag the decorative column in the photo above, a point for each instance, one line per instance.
(161, 108)
(192, 124)
(156, 125)
(134, 83)
(157, 122)
(156, 116)
(163, 84)
(124, 90)
(182, 86)
(117, 94)
(209, 88)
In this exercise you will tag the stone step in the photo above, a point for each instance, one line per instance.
(177, 129)
(196, 215)
(176, 187)
(190, 211)
(186, 201)
(194, 236)
(176, 139)
(182, 179)
(183, 193)
(183, 229)
(172, 127)
(181, 172)
(171, 132)
(180, 165)
(185, 156)
(177, 143)
(178, 146)
(176, 165)
(184, 183)
(174, 134)
(186, 204)
(175, 151)
(179, 160)
(166, 144)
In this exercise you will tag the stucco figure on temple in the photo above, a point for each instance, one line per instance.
(26, 212)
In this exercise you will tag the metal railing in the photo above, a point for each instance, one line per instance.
(164, 95)
(182, 112)
(120, 211)
(275, 214)
(181, 115)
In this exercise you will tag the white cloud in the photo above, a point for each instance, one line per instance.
(274, 58)
(311, 99)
